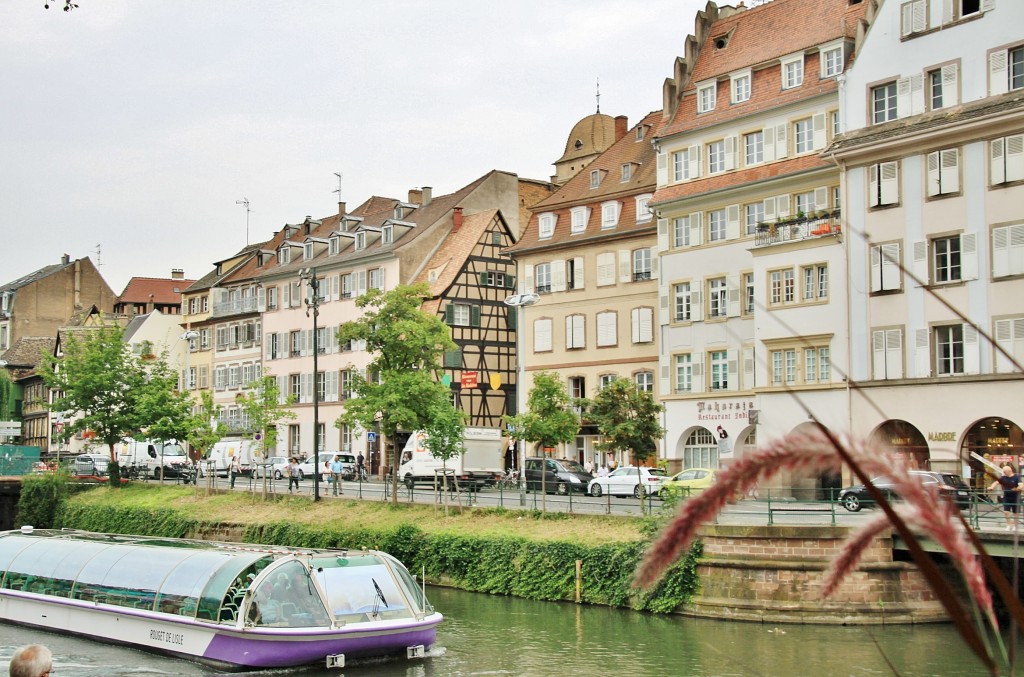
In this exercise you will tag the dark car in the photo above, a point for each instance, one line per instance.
(558, 475)
(950, 486)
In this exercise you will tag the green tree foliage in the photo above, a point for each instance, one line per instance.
(407, 344)
(203, 428)
(627, 419)
(266, 409)
(167, 409)
(7, 394)
(105, 389)
(549, 418)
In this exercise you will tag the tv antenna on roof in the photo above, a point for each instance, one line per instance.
(338, 189)
(245, 201)
(599, 95)
(98, 255)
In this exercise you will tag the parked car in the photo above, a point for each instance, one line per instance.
(91, 464)
(626, 481)
(348, 463)
(950, 486)
(279, 465)
(690, 481)
(559, 476)
(269, 465)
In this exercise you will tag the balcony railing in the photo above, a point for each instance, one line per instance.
(235, 307)
(798, 229)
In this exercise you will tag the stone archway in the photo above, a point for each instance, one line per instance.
(996, 439)
(698, 447)
(904, 438)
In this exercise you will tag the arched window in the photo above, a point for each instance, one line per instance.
(700, 450)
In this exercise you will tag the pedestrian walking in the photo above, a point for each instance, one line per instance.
(293, 474)
(236, 468)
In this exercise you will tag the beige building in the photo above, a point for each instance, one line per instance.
(588, 252)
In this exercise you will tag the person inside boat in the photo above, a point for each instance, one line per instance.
(34, 660)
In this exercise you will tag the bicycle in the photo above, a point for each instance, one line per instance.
(510, 480)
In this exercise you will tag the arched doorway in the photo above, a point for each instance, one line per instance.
(823, 486)
(904, 438)
(995, 438)
(700, 449)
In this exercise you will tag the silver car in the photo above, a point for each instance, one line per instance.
(95, 465)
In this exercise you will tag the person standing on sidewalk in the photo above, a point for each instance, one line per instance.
(1010, 484)
(293, 474)
(336, 469)
(236, 468)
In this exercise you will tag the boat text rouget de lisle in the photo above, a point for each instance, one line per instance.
(232, 606)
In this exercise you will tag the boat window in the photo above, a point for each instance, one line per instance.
(360, 588)
(416, 594)
(213, 595)
(287, 598)
(183, 586)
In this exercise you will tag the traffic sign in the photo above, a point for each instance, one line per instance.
(371, 437)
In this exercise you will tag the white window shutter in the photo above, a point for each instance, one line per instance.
(542, 335)
(922, 355)
(947, 11)
(748, 369)
(625, 266)
(768, 136)
(917, 94)
(820, 136)
(646, 325)
(655, 266)
(662, 173)
(696, 305)
(782, 206)
(988, 5)
(733, 368)
(634, 322)
(733, 307)
(732, 222)
(950, 85)
(1009, 335)
(949, 169)
(968, 256)
(1008, 250)
(331, 385)
(892, 276)
(696, 229)
(873, 198)
(558, 275)
(1015, 157)
(998, 80)
(361, 282)
(336, 287)
(769, 209)
(663, 314)
(934, 179)
(997, 163)
(821, 197)
(287, 300)
(526, 284)
(890, 183)
(730, 152)
(781, 142)
(261, 300)
(694, 161)
(577, 273)
(878, 354)
(920, 268)
(894, 353)
(663, 380)
(662, 235)
(876, 268)
(972, 350)
(305, 389)
(903, 97)
(697, 365)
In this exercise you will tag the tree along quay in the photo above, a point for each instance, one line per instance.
(767, 574)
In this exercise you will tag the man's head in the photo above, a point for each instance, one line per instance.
(34, 660)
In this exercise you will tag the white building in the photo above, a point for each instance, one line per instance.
(933, 196)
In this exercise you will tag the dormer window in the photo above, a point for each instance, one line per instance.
(578, 144)
(609, 214)
(739, 86)
(643, 210)
(334, 245)
(399, 212)
(546, 226)
(387, 234)
(595, 178)
(580, 216)
(706, 97)
(641, 132)
(792, 71)
(360, 241)
(284, 255)
(831, 60)
(627, 172)
(307, 251)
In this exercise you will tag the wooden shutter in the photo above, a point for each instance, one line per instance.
(542, 335)
(972, 350)
(694, 162)
(768, 137)
(781, 142)
(921, 266)
(922, 354)
(998, 79)
(577, 273)
(968, 256)
(903, 97)
(696, 229)
(662, 173)
(474, 316)
(820, 135)
(889, 179)
(749, 382)
(732, 222)
(732, 369)
(733, 307)
(625, 266)
(730, 152)
(1009, 335)
(662, 235)
(950, 85)
(878, 354)
(527, 279)
(558, 275)
(1008, 250)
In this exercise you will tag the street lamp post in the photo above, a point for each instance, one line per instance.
(186, 381)
(520, 302)
(313, 306)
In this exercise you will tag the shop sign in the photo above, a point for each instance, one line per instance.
(723, 410)
(942, 437)
(469, 379)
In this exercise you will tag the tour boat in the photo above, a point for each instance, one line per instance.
(229, 605)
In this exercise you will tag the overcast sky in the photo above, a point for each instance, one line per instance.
(133, 127)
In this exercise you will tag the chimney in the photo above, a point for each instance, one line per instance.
(65, 260)
(428, 195)
(341, 208)
(177, 274)
(415, 196)
(456, 219)
(306, 225)
(621, 126)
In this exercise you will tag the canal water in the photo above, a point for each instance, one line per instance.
(486, 635)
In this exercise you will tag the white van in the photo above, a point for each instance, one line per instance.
(479, 465)
(158, 459)
(219, 457)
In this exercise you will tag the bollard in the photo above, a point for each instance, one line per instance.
(579, 579)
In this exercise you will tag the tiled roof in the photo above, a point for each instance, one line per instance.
(759, 36)
(594, 132)
(213, 277)
(771, 170)
(375, 212)
(27, 352)
(153, 290)
(577, 191)
(45, 271)
(455, 249)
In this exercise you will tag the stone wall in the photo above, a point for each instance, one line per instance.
(775, 575)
